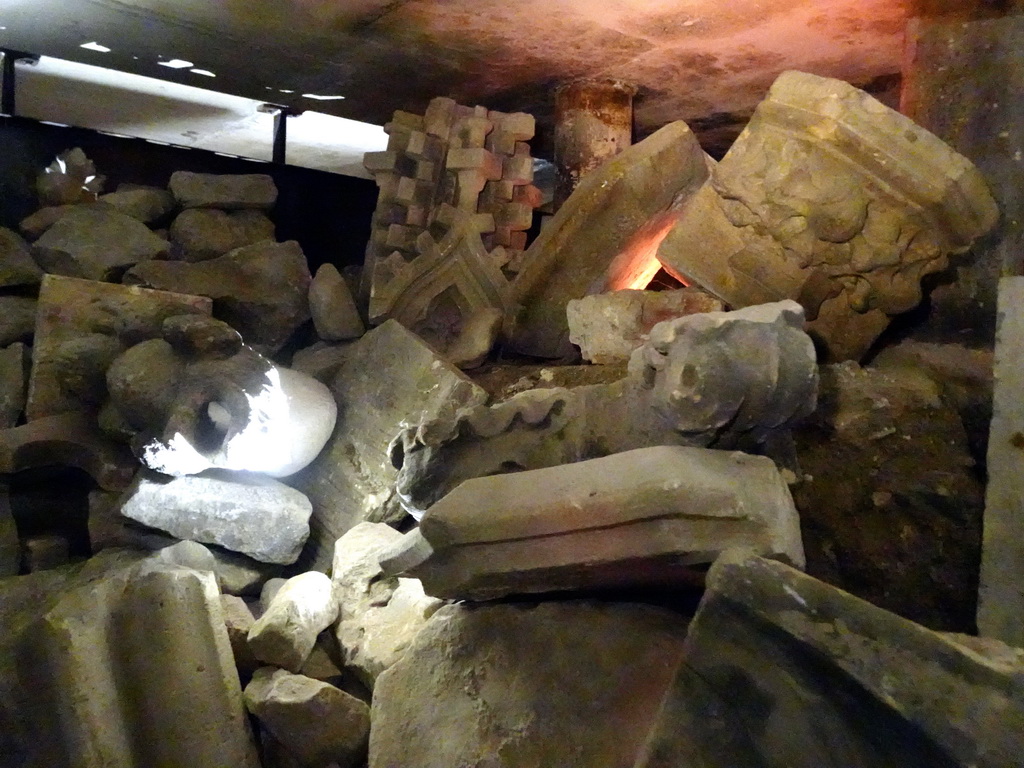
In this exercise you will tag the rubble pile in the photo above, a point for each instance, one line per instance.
(393, 548)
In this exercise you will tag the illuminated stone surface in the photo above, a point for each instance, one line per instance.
(335, 316)
(147, 204)
(226, 191)
(199, 234)
(301, 609)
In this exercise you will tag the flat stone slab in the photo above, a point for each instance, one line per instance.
(782, 669)
(627, 518)
(147, 204)
(226, 191)
(254, 515)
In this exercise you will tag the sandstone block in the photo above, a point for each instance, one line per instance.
(378, 616)
(17, 267)
(206, 233)
(334, 310)
(566, 684)
(255, 515)
(147, 204)
(226, 191)
(316, 722)
(285, 634)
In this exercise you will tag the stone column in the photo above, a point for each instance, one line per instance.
(963, 80)
(593, 122)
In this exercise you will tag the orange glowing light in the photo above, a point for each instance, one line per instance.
(637, 263)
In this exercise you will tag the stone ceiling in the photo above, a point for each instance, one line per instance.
(705, 61)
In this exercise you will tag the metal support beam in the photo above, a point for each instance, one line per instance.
(281, 114)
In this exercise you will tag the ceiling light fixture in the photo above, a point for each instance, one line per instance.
(176, 64)
(204, 72)
(319, 97)
(94, 46)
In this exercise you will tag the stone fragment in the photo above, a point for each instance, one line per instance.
(270, 588)
(320, 664)
(318, 723)
(188, 554)
(17, 319)
(721, 379)
(226, 191)
(76, 634)
(44, 552)
(335, 316)
(255, 515)
(607, 327)
(35, 225)
(70, 178)
(285, 634)
(781, 669)
(389, 377)
(568, 684)
(200, 234)
(14, 367)
(830, 198)
(505, 380)
(81, 327)
(10, 543)
(321, 360)
(260, 290)
(238, 619)
(378, 616)
(1001, 591)
(96, 244)
(602, 237)
(199, 336)
(631, 518)
(67, 439)
(146, 204)
(17, 267)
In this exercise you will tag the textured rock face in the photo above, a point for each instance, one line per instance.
(119, 663)
(255, 515)
(781, 669)
(830, 198)
(199, 234)
(14, 367)
(387, 378)
(607, 327)
(225, 191)
(379, 617)
(630, 518)
(147, 204)
(315, 722)
(17, 319)
(17, 267)
(615, 208)
(556, 684)
(96, 244)
(301, 609)
(260, 290)
(334, 310)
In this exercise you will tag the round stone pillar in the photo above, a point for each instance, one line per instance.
(593, 122)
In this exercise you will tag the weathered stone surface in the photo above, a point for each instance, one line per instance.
(321, 360)
(628, 518)
(721, 379)
(504, 380)
(199, 234)
(1001, 598)
(316, 722)
(389, 377)
(199, 336)
(75, 635)
(147, 204)
(17, 319)
(10, 544)
(260, 290)
(81, 327)
(35, 225)
(14, 367)
(591, 244)
(781, 669)
(255, 515)
(44, 552)
(230, 192)
(833, 199)
(17, 267)
(557, 684)
(884, 449)
(67, 439)
(96, 244)
(335, 316)
(378, 617)
(285, 634)
(607, 327)
(238, 620)
(70, 178)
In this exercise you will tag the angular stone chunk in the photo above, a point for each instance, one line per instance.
(84, 694)
(226, 191)
(570, 684)
(81, 327)
(316, 722)
(14, 366)
(301, 609)
(17, 319)
(607, 327)
(260, 290)
(205, 233)
(238, 620)
(830, 198)
(1001, 592)
(255, 515)
(588, 246)
(587, 524)
(70, 178)
(17, 267)
(334, 310)
(96, 244)
(388, 377)
(147, 204)
(378, 616)
(782, 669)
